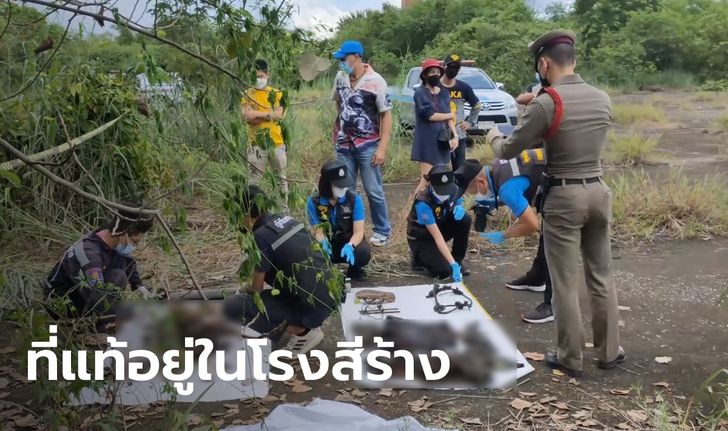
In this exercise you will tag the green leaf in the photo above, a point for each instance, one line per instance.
(11, 176)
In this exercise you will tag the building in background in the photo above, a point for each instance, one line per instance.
(408, 3)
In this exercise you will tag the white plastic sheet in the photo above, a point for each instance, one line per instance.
(325, 415)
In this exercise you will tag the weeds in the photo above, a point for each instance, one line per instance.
(631, 113)
(674, 206)
(634, 149)
(722, 123)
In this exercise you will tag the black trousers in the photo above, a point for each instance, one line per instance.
(362, 252)
(425, 249)
(97, 300)
(280, 311)
(457, 157)
(539, 271)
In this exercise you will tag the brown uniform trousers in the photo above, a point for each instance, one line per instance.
(576, 216)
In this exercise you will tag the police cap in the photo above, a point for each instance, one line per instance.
(336, 173)
(442, 180)
(547, 40)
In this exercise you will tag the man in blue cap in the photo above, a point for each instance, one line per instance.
(362, 129)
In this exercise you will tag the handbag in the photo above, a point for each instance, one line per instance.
(445, 134)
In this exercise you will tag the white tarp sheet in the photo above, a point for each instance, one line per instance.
(413, 304)
(325, 415)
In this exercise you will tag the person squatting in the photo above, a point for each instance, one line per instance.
(549, 164)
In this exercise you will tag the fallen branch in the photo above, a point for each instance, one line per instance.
(181, 254)
(31, 159)
(106, 203)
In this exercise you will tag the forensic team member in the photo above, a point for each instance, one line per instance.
(513, 183)
(436, 217)
(336, 216)
(299, 274)
(577, 207)
(262, 110)
(460, 93)
(92, 271)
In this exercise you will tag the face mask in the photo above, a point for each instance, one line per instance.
(452, 72)
(345, 67)
(338, 192)
(125, 249)
(542, 79)
(433, 80)
(260, 83)
(440, 198)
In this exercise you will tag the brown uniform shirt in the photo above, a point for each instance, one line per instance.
(575, 150)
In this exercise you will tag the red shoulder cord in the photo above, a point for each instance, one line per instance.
(558, 111)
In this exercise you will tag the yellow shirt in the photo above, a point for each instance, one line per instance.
(258, 100)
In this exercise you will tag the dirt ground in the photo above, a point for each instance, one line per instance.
(668, 294)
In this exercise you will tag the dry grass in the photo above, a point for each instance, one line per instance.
(633, 113)
(674, 206)
(634, 149)
(721, 123)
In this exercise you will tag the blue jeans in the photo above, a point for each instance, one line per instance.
(371, 177)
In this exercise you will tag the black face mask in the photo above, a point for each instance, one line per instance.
(452, 72)
(542, 79)
(432, 80)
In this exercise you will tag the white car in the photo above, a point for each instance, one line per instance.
(498, 108)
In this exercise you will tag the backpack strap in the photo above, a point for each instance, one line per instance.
(558, 111)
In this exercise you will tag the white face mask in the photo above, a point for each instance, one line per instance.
(338, 192)
(261, 83)
(440, 198)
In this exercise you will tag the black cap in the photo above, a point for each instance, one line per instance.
(452, 59)
(465, 173)
(442, 180)
(336, 172)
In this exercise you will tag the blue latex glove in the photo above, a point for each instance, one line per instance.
(494, 237)
(326, 246)
(457, 276)
(458, 212)
(347, 252)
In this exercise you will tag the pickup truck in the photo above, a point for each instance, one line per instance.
(498, 108)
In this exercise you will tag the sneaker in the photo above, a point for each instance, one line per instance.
(304, 343)
(621, 356)
(379, 240)
(542, 314)
(463, 270)
(356, 274)
(526, 283)
(552, 360)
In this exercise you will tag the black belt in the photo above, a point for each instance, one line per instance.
(554, 182)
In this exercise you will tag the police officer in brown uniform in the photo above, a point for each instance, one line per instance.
(572, 118)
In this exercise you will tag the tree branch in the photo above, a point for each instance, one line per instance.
(40, 70)
(140, 30)
(106, 203)
(34, 158)
(7, 24)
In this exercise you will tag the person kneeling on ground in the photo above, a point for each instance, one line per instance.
(437, 216)
(514, 183)
(94, 270)
(336, 215)
(296, 269)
